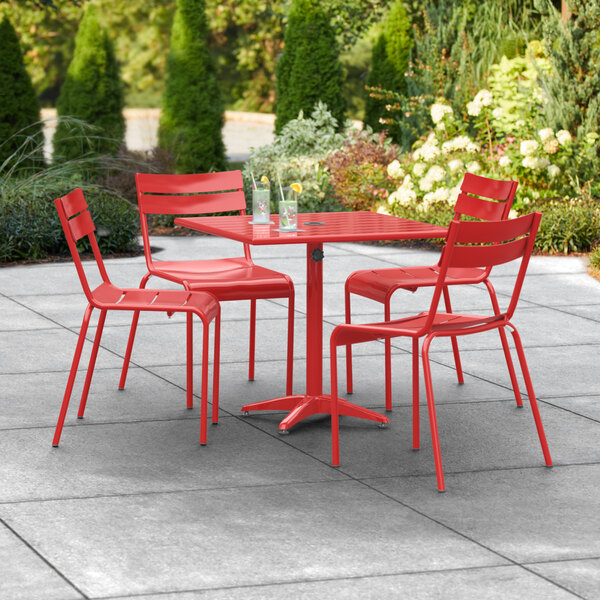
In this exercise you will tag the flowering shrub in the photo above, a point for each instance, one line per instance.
(357, 171)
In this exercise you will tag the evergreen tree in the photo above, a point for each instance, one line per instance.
(92, 92)
(389, 63)
(192, 116)
(309, 69)
(573, 85)
(20, 127)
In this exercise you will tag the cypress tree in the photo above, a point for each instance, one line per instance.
(92, 92)
(192, 115)
(389, 62)
(573, 85)
(309, 69)
(19, 109)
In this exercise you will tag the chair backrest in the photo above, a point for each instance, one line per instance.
(188, 195)
(481, 244)
(77, 223)
(484, 198)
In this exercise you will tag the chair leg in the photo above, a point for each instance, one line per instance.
(415, 387)
(435, 440)
(290, 347)
(459, 372)
(335, 420)
(505, 346)
(72, 374)
(251, 351)
(92, 364)
(388, 361)
(204, 395)
(216, 365)
(349, 382)
(134, 322)
(190, 360)
(532, 399)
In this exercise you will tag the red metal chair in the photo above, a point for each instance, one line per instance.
(510, 240)
(77, 223)
(380, 284)
(227, 278)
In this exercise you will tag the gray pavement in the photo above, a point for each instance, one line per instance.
(131, 506)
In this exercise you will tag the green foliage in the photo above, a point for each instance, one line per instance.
(297, 155)
(568, 225)
(358, 170)
(595, 259)
(399, 41)
(92, 92)
(382, 76)
(192, 116)
(20, 129)
(309, 69)
(573, 85)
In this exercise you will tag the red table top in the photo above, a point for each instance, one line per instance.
(316, 227)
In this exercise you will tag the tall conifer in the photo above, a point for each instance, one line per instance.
(20, 127)
(309, 69)
(192, 116)
(92, 92)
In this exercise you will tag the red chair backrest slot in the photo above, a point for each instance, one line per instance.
(488, 188)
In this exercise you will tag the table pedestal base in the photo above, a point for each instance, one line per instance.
(303, 405)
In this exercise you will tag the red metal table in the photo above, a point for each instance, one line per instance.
(314, 229)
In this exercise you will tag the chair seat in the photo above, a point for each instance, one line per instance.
(108, 296)
(227, 278)
(378, 284)
(410, 326)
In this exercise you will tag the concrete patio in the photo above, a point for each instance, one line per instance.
(131, 506)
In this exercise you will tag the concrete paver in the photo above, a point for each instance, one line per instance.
(130, 505)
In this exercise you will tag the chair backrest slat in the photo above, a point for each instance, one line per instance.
(486, 210)
(468, 257)
(74, 203)
(490, 232)
(488, 188)
(81, 225)
(197, 183)
(191, 205)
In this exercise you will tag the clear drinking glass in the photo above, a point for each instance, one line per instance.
(288, 211)
(261, 203)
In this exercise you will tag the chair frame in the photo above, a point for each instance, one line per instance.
(197, 194)
(470, 202)
(77, 223)
(510, 240)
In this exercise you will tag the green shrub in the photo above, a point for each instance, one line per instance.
(192, 115)
(569, 225)
(595, 259)
(93, 93)
(298, 154)
(20, 129)
(358, 170)
(309, 69)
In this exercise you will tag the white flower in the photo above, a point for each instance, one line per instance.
(513, 214)
(542, 162)
(394, 170)
(530, 162)
(551, 145)
(473, 147)
(563, 137)
(392, 198)
(473, 167)
(474, 108)
(504, 161)
(436, 173)
(484, 97)
(382, 210)
(497, 113)
(455, 165)
(453, 195)
(520, 123)
(441, 194)
(419, 169)
(546, 134)
(438, 111)
(553, 171)
(425, 184)
(429, 152)
(529, 147)
(441, 126)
